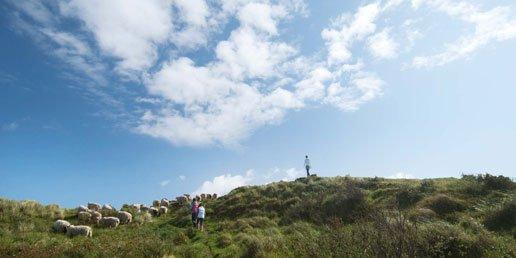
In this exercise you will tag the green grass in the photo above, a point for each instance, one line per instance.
(322, 217)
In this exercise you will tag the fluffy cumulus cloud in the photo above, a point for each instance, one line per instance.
(213, 72)
(348, 29)
(129, 30)
(401, 175)
(223, 184)
(382, 45)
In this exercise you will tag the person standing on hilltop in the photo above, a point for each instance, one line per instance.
(307, 166)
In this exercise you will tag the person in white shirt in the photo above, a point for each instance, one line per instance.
(201, 214)
(307, 166)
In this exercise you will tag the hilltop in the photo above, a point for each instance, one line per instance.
(474, 216)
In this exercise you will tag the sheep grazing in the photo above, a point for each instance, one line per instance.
(95, 217)
(155, 203)
(107, 207)
(144, 208)
(84, 216)
(110, 222)
(154, 211)
(60, 226)
(187, 196)
(203, 196)
(72, 231)
(136, 207)
(208, 196)
(162, 210)
(164, 202)
(124, 217)
(214, 196)
(94, 206)
(82, 208)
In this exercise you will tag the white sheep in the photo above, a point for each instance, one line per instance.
(156, 203)
(94, 206)
(144, 208)
(181, 199)
(107, 207)
(110, 222)
(125, 217)
(79, 231)
(84, 216)
(60, 226)
(164, 202)
(154, 211)
(162, 210)
(95, 217)
(136, 207)
(82, 208)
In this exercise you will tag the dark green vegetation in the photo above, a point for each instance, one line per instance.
(317, 217)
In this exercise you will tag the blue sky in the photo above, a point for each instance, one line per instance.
(130, 101)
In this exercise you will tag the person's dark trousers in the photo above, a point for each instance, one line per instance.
(194, 219)
(307, 171)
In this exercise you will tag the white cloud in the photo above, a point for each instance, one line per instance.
(262, 16)
(381, 45)
(292, 174)
(497, 24)
(361, 89)
(9, 127)
(250, 54)
(249, 79)
(129, 30)
(182, 177)
(348, 29)
(193, 24)
(401, 175)
(224, 100)
(223, 184)
(276, 174)
(164, 182)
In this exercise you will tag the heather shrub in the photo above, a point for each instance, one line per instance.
(407, 196)
(503, 218)
(443, 204)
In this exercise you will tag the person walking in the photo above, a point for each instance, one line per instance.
(194, 207)
(201, 214)
(307, 166)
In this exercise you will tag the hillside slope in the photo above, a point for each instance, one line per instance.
(323, 217)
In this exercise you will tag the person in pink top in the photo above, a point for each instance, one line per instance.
(194, 206)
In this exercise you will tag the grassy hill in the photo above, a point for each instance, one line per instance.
(311, 217)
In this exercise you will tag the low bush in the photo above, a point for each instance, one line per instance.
(180, 238)
(421, 215)
(502, 219)
(427, 186)
(443, 204)
(142, 218)
(407, 196)
(224, 240)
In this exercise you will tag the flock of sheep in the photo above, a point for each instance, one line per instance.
(108, 217)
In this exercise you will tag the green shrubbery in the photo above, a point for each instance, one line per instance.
(502, 219)
(443, 204)
(315, 217)
(482, 183)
